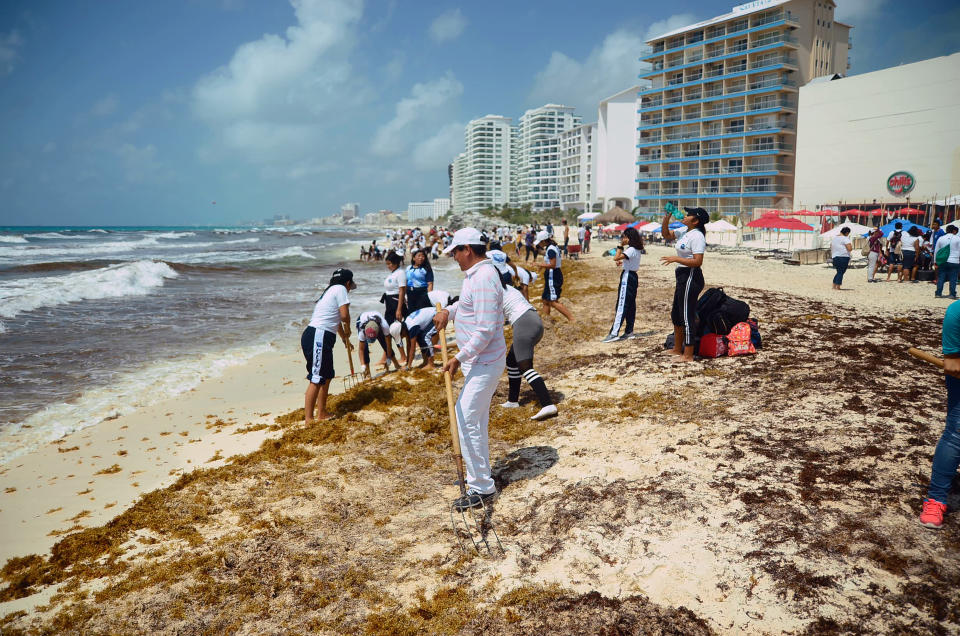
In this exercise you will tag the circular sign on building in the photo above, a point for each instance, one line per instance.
(900, 183)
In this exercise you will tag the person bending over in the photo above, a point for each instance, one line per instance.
(331, 316)
(527, 332)
(417, 328)
(691, 244)
(478, 315)
(372, 327)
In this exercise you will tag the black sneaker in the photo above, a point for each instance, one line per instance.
(473, 500)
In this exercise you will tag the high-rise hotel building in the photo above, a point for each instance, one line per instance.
(718, 125)
(538, 154)
(486, 181)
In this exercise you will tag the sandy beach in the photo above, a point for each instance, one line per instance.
(764, 494)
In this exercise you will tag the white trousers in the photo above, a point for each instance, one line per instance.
(872, 259)
(473, 418)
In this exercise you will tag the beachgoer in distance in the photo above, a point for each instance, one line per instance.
(910, 245)
(876, 250)
(894, 254)
(331, 316)
(581, 233)
(419, 280)
(528, 245)
(566, 237)
(478, 316)
(373, 327)
(628, 257)
(552, 275)
(840, 249)
(691, 244)
(948, 271)
(587, 234)
(946, 457)
(395, 288)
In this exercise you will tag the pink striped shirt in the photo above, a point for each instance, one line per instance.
(478, 316)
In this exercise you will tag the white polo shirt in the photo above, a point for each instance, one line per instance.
(689, 242)
(326, 313)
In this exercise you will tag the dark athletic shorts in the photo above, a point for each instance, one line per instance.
(909, 259)
(552, 284)
(317, 348)
(895, 259)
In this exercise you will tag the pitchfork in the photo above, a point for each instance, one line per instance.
(354, 378)
(473, 524)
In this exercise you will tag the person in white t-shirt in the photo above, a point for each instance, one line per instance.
(948, 271)
(691, 244)
(627, 256)
(372, 327)
(331, 316)
(910, 250)
(524, 279)
(552, 275)
(840, 249)
(417, 328)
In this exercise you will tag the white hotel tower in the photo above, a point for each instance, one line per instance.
(718, 126)
(486, 175)
(538, 154)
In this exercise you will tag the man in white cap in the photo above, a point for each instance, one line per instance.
(478, 316)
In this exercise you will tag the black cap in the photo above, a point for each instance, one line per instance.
(341, 276)
(702, 215)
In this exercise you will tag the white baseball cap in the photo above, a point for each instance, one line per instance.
(542, 235)
(499, 260)
(395, 330)
(465, 236)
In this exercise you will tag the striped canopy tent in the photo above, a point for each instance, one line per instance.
(649, 227)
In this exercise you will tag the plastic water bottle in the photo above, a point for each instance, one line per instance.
(672, 209)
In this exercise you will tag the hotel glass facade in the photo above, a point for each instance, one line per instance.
(717, 127)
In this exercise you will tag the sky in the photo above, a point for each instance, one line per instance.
(200, 112)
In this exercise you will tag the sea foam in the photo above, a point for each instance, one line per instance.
(13, 238)
(132, 391)
(127, 279)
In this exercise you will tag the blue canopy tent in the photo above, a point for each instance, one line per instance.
(889, 227)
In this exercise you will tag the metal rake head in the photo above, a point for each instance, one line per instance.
(352, 380)
(474, 529)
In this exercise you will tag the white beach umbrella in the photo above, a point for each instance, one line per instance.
(855, 228)
(720, 226)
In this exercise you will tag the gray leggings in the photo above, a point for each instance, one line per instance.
(527, 332)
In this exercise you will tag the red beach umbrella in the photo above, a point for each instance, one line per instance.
(621, 227)
(875, 212)
(777, 222)
(907, 212)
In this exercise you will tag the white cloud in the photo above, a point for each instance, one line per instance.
(416, 115)
(607, 69)
(10, 45)
(104, 107)
(435, 152)
(447, 26)
(675, 21)
(278, 96)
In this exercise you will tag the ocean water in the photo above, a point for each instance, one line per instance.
(100, 321)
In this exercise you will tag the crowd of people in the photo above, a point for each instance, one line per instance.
(904, 252)
(495, 293)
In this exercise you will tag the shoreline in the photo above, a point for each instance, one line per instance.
(84, 478)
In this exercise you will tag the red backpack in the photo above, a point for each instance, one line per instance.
(738, 340)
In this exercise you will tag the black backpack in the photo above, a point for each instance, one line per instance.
(718, 313)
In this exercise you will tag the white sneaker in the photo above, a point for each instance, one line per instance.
(548, 411)
(510, 405)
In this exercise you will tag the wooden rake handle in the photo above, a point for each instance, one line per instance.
(451, 408)
(926, 357)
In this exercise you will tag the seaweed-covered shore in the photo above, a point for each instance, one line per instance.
(766, 494)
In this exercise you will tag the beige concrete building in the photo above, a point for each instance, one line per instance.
(855, 133)
(718, 126)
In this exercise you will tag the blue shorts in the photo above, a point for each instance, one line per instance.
(552, 284)
(317, 348)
